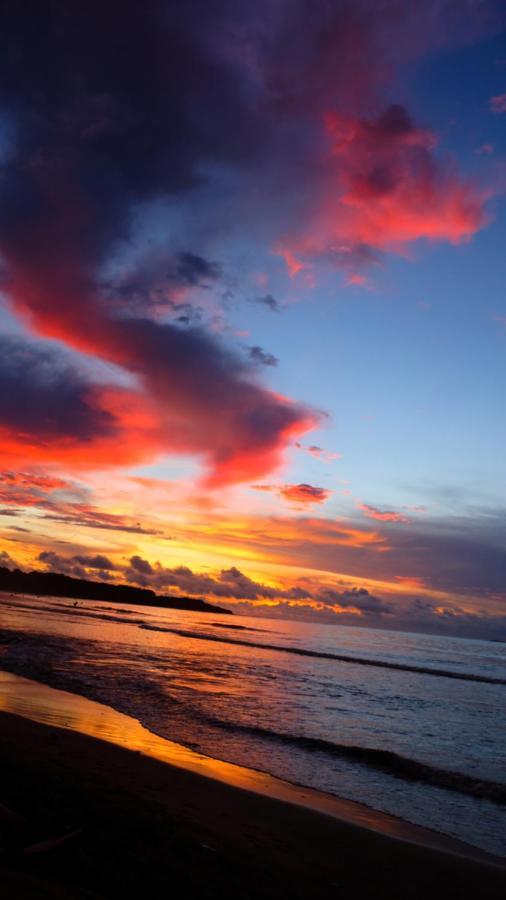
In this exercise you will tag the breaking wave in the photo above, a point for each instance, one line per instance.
(320, 654)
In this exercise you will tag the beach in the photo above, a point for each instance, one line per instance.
(149, 828)
(336, 711)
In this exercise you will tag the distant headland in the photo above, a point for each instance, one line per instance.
(51, 584)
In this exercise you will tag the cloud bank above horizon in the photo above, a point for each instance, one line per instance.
(176, 207)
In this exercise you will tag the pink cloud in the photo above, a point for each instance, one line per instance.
(498, 103)
(485, 150)
(357, 280)
(318, 452)
(382, 515)
(382, 188)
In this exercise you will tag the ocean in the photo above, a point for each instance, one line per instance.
(413, 725)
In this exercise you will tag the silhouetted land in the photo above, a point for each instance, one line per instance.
(51, 584)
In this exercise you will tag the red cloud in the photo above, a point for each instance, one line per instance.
(193, 394)
(383, 188)
(382, 515)
(30, 479)
(88, 158)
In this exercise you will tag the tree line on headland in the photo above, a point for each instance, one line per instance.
(52, 584)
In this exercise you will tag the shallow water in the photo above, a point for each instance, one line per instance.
(366, 715)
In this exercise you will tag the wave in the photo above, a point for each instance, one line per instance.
(234, 627)
(136, 697)
(79, 611)
(339, 657)
(383, 760)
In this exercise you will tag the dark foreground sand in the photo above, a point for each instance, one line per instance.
(149, 830)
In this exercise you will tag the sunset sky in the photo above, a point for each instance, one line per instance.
(253, 305)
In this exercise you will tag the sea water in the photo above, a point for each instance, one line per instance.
(410, 724)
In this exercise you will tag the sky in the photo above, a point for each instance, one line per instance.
(253, 306)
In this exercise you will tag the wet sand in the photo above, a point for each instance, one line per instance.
(149, 829)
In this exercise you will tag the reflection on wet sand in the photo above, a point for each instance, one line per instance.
(40, 703)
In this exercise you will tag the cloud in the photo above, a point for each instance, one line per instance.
(34, 480)
(115, 137)
(54, 562)
(195, 270)
(95, 562)
(355, 598)
(48, 410)
(233, 584)
(304, 494)
(62, 501)
(161, 283)
(7, 560)
(356, 280)
(141, 566)
(298, 494)
(382, 515)
(384, 189)
(262, 358)
(485, 150)
(228, 583)
(498, 103)
(86, 567)
(121, 146)
(269, 301)
(318, 452)
(43, 398)
(79, 566)
(84, 515)
(51, 411)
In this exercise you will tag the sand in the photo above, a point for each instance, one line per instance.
(148, 829)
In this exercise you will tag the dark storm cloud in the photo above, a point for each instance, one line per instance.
(44, 397)
(95, 562)
(195, 270)
(78, 566)
(61, 564)
(357, 598)
(161, 282)
(113, 106)
(142, 566)
(234, 584)
(269, 301)
(260, 357)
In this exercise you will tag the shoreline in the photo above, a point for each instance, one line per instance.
(46, 705)
(127, 798)
(147, 828)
